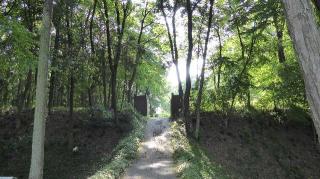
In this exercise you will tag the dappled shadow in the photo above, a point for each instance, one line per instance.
(155, 159)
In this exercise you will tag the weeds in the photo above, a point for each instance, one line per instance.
(191, 161)
(124, 153)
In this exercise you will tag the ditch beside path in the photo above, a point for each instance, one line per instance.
(155, 154)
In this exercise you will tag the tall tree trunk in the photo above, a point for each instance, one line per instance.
(37, 155)
(71, 120)
(114, 93)
(104, 82)
(89, 96)
(69, 12)
(176, 53)
(173, 45)
(91, 27)
(186, 100)
(220, 59)
(279, 32)
(204, 59)
(305, 35)
(113, 62)
(54, 58)
(27, 89)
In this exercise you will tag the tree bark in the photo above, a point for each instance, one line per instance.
(37, 155)
(305, 35)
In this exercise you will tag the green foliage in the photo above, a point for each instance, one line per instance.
(16, 46)
(191, 161)
(248, 66)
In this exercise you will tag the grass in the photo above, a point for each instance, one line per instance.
(191, 161)
(124, 153)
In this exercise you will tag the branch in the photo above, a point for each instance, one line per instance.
(195, 5)
(148, 24)
(150, 39)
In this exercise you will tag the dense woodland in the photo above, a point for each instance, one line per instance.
(86, 59)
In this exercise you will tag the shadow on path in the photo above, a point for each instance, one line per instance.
(155, 154)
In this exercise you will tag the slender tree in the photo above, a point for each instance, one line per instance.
(173, 42)
(204, 59)
(145, 13)
(121, 19)
(37, 156)
(186, 101)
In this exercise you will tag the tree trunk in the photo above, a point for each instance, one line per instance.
(188, 63)
(53, 73)
(138, 53)
(71, 121)
(91, 26)
(69, 9)
(26, 91)
(220, 59)
(204, 57)
(279, 31)
(114, 93)
(306, 38)
(89, 96)
(37, 155)
(113, 62)
(176, 53)
(173, 45)
(104, 82)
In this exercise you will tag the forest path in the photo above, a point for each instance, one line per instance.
(155, 153)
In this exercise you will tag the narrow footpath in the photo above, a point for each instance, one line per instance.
(155, 155)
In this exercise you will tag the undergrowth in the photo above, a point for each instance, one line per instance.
(124, 153)
(191, 161)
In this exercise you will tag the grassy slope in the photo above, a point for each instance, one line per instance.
(124, 153)
(191, 161)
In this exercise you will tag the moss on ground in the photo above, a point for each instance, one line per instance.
(124, 153)
(191, 161)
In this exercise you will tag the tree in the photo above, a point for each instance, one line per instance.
(186, 101)
(114, 60)
(37, 156)
(172, 37)
(139, 49)
(306, 39)
(204, 58)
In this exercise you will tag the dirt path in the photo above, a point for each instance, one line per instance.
(155, 159)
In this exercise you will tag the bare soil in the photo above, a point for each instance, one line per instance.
(260, 147)
(94, 143)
